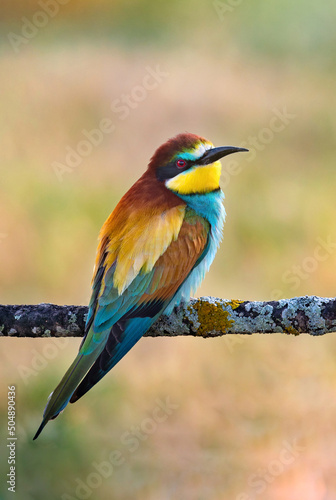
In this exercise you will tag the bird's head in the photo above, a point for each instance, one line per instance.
(189, 164)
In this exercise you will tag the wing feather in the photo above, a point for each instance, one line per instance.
(155, 291)
(149, 247)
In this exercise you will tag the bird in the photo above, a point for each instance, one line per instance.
(154, 251)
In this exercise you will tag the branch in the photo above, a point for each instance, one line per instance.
(204, 317)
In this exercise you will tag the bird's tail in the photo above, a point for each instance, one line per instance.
(60, 397)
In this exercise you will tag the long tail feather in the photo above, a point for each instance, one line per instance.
(60, 397)
(122, 338)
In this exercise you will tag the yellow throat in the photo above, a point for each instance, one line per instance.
(198, 179)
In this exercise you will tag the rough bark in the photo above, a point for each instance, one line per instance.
(204, 317)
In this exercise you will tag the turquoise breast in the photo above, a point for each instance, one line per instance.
(210, 206)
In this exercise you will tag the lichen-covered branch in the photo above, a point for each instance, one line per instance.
(204, 317)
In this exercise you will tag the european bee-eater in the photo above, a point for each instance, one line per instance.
(154, 250)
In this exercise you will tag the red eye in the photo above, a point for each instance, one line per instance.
(181, 163)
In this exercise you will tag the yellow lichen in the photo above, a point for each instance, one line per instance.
(211, 316)
(291, 330)
(235, 303)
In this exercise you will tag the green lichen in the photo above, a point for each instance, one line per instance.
(72, 317)
(212, 316)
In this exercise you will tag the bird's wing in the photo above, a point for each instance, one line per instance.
(129, 315)
(141, 263)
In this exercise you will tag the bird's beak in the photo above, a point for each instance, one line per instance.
(215, 154)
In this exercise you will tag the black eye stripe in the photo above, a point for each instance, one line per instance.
(171, 170)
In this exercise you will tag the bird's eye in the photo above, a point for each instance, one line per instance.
(181, 163)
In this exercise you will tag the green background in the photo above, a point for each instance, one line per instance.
(230, 68)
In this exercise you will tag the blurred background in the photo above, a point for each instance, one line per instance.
(88, 91)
